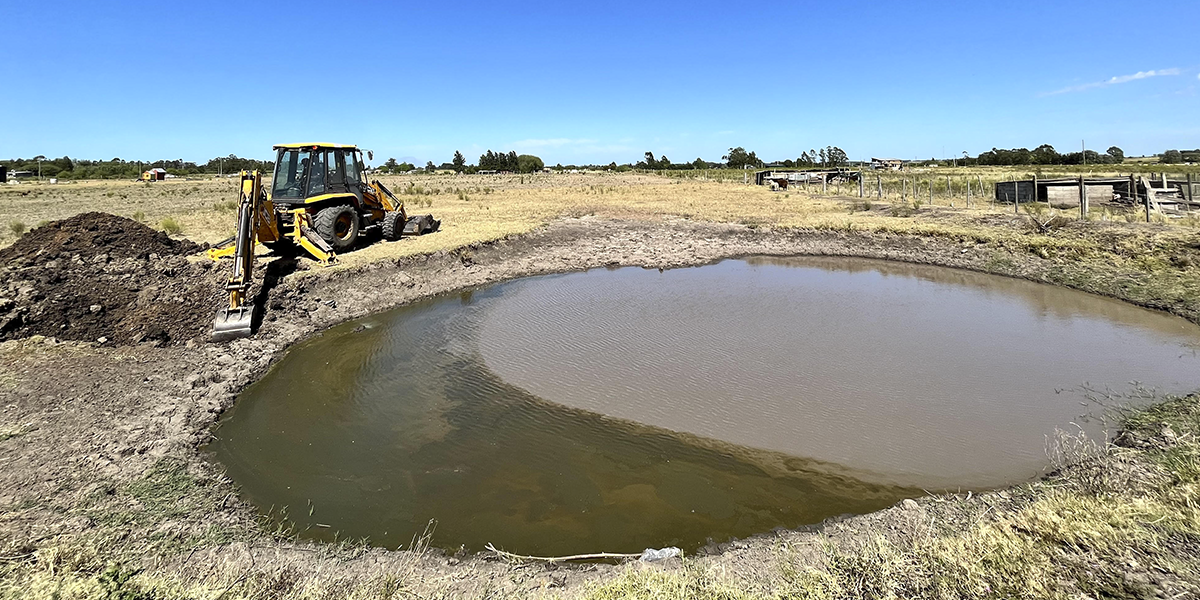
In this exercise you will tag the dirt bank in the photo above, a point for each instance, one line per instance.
(102, 477)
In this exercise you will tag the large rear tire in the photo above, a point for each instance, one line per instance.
(337, 225)
(393, 225)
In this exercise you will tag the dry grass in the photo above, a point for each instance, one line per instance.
(481, 208)
(1066, 538)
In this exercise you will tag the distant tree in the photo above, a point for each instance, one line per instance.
(650, 162)
(699, 163)
(405, 167)
(788, 163)
(664, 163)
(430, 167)
(822, 155)
(528, 163)
(1117, 154)
(1045, 155)
(1171, 157)
(836, 157)
(459, 162)
(738, 158)
(805, 159)
(390, 166)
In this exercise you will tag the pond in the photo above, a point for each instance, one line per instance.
(619, 409)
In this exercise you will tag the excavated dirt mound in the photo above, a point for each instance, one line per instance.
(97, 275)
(91, 234)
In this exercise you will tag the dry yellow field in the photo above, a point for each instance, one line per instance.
(482, 208)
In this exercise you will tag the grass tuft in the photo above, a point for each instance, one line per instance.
(171, 226)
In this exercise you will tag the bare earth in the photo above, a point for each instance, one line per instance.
(99, 460)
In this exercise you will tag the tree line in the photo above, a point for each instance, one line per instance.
(740, 158)
(489, 161)
(68, 168)
(1045, 155)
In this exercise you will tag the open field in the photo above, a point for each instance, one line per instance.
(482, 208)
(103, 492)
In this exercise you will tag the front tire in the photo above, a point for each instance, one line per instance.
(337, 225)
(393, 225)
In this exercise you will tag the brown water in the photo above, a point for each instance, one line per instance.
(622, 409)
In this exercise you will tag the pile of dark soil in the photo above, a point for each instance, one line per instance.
(91, 234)
(97, 275)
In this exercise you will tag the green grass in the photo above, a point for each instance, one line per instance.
(171, 226)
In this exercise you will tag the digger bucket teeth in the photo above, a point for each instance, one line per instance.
(233, 323)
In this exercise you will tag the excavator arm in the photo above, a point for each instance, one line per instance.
(256, 222)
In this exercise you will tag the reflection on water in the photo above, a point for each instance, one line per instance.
(913, 375)
(622, 409)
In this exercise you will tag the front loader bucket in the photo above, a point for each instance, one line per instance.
(233, 323)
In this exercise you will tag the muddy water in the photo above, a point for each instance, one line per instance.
(621, 409)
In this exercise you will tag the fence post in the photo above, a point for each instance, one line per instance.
(878, 186)
(1189, 194)
(1035, 192)
(1016, 195)
(949, 194)
(968, 193)
(1148, 192)
(860, 185)
(904, 188)
(931, 192)
(824, 183)
(1083, 207)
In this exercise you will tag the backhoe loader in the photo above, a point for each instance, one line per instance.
(320, 201)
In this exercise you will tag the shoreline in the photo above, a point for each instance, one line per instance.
(109, 458)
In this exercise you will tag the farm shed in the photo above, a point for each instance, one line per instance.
(1062, 192)
(155, 174)
(887, 164)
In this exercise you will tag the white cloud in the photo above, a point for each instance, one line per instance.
(1115, 80)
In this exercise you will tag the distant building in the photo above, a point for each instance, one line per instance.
(155, 174)
(887, 164)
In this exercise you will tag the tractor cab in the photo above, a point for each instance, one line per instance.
(317, 173)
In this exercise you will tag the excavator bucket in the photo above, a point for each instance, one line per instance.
(233, 323)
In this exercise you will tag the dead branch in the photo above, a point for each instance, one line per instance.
(554, 559)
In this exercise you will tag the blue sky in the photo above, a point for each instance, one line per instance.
(595, 82)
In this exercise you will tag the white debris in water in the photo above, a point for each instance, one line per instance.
(652, 555)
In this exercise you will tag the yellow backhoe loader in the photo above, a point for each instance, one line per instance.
(320, 201)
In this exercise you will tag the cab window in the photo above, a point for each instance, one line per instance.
(288, 181)
(317, 173)
(352, 177)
